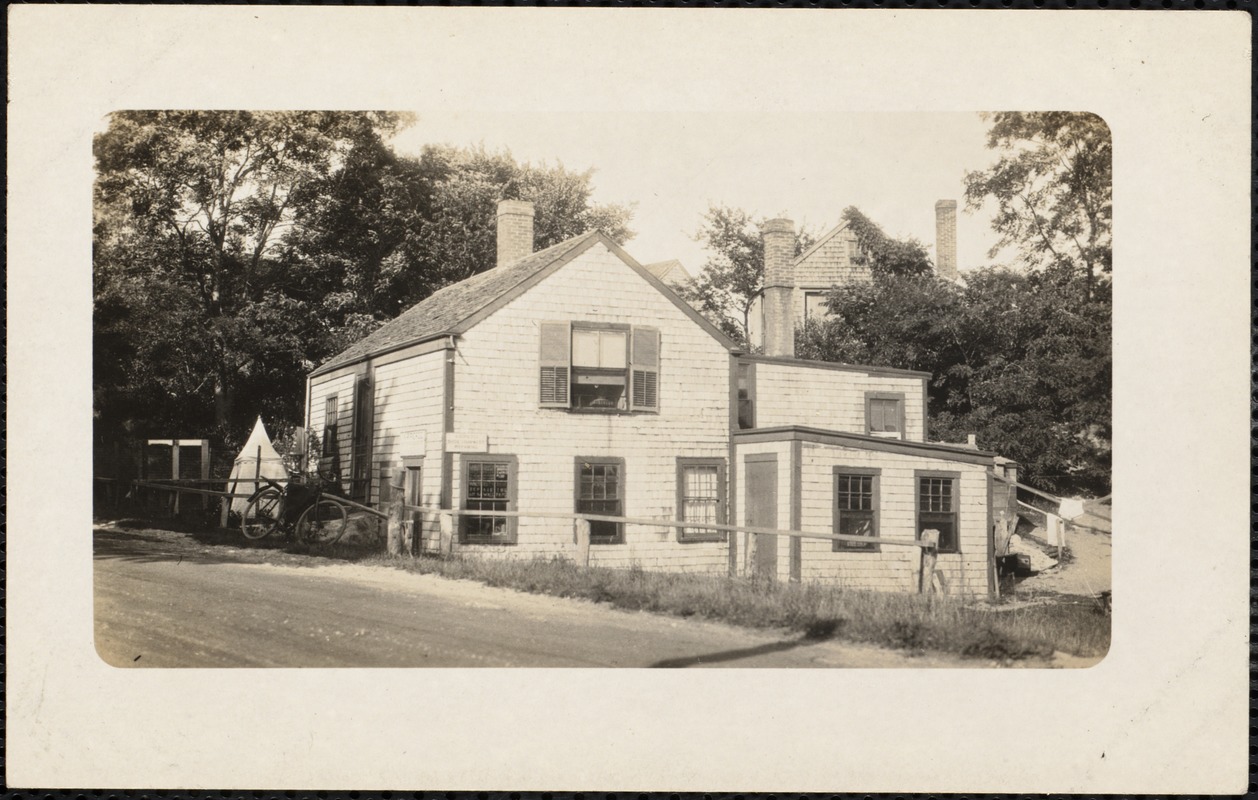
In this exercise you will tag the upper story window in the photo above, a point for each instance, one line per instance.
(884, 414)
(596, 367)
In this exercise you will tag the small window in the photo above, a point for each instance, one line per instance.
(856, 508)
(700, 497)
(489, 484)
(331, 410)
(937, 505)
(884, 414)
(598, 369)
(746, 395)
(600, 490)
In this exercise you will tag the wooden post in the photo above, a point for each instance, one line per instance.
(1061, 537)
(174, 470)
(398, 541)
(930, 551)
(205, 471)
(583, 542)
(447, 533)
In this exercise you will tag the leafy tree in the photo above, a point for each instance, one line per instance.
(881, 253)
(733, 275)
(1016, 358)
(1053, 190)
(192, 210)
(234, 251)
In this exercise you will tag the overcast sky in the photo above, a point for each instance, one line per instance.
(806, 167)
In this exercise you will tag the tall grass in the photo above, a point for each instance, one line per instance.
(904, 621)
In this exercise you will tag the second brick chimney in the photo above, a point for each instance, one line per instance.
(779, 288)
(946, 239)
(515, 230)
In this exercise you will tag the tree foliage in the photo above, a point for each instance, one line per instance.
(732, 277)
(235, 251)
(1053, 189)
(1016, 359)
(882, 254)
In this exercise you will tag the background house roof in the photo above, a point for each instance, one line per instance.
(670, 271)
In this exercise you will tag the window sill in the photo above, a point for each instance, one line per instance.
(701, 538)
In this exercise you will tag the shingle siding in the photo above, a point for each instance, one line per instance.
(408, 397)
(831, 399)
(320, 389)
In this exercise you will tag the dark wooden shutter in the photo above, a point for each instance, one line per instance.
(554, 360)
(645, 370)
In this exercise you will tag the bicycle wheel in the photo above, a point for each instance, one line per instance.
(262, 515)
(322, 523)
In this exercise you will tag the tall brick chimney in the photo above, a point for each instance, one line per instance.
(779, 287)
(946, 239)
(515, 230)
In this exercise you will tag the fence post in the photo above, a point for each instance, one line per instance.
(930, 551)
(446, 545)
(583, 542)
(397, 540)
(174, 470)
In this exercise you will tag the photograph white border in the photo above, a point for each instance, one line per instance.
(1165, 712)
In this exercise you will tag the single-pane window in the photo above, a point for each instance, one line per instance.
(488, 486)
(700, 497)
(600, 490)
(937, 509)
(855, 509)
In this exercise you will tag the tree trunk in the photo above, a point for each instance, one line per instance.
(223, 398)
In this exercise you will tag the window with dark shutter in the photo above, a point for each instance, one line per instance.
(555, 360)
(645, 370)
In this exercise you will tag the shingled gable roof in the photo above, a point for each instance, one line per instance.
(817, 245)
(456, 308)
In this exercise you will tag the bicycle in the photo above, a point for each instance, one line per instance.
(312, 514)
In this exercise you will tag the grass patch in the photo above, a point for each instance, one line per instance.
(903, 621)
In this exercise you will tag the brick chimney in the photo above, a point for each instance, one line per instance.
(515, 230)
(946, 239)
(779, 288)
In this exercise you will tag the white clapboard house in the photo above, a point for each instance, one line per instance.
(573, 380)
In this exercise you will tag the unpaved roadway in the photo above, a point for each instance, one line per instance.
(163, 603)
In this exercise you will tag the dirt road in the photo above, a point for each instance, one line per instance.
(161, 603)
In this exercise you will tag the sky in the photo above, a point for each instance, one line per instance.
(802, 166)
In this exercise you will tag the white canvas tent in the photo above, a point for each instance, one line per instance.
(256, 459)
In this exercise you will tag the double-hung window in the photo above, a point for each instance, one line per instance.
(489, 484)
(884, 414)
(700, 497)
(600, 490)
(599, 367)
(937, 505)
(856, 507)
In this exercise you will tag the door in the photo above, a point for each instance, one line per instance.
(761, 473)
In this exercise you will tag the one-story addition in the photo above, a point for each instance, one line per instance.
(572, 380)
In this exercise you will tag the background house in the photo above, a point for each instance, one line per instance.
(831, 262)
(574, 379)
